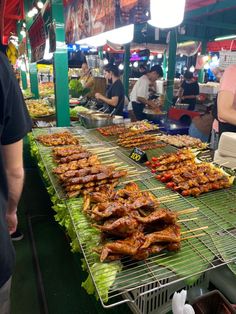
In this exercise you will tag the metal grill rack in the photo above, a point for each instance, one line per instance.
(196, 256)
(135, 172)
(136, 282)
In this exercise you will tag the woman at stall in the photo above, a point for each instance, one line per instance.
(87, 79)
(226, 101)
(188, 91)
(115, 98)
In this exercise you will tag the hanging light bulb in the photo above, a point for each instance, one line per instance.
(40, 4)
(166, 13)
(94, 41)
(121, 66)
(30, 13)
(121, 36)
(23, 33)
(34, 11)
(105, 61)
(159, 55)
(47, 55)
(135, 65)
(192, 69)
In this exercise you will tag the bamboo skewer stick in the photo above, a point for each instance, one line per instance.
(168, 197)
(193, 236)
(111, 160)
(188, 211)
(133, 175)
(187, 219)
(129, 181)
(153, 189)
(125, 166)
(107, 156)
(196, 229)
(113, 164)
(104, 148)
(137, 171)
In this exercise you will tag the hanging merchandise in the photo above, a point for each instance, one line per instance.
(37, 37)
(12, 52)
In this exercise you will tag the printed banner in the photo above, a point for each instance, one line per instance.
(134, 11)
(86, 18)
(37, 37)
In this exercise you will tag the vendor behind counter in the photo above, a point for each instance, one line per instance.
(188, 91)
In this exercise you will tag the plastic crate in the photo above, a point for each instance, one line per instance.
(159, 301)
(213, 302)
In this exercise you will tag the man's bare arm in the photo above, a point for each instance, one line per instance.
(13, 162)
(225, 107)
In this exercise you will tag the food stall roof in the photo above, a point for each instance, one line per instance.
(11, 11)
(220, 14)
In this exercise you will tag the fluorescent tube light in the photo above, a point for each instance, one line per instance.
(225, 37)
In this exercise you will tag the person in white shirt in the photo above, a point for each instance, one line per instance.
(139, 95)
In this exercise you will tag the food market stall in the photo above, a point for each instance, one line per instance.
(206, 222)
(146, 282)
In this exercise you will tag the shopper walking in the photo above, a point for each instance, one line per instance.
(15, 123)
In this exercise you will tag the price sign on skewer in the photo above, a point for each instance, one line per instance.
(138, 155)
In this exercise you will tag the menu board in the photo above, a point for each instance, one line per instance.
(227, 58)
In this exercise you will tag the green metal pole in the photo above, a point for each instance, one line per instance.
(60, 66)
(171, 69)
(201, 72)
(126, 69)
(100, 52)
(164, 65)
(34, 80)
(33, 73)
(24, 79)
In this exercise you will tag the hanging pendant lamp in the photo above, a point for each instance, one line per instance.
(166, 13)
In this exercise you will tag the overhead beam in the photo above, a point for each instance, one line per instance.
(227, 26)
(211, 9)
(183, 38)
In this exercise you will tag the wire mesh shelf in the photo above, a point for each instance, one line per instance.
(197, 255)
(210, 234)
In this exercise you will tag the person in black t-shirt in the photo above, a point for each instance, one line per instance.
(116, 93)
(15, 123)
(189, 90)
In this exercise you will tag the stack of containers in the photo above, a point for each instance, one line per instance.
(226, 153)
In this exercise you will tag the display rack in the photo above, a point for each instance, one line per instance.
(210, 231)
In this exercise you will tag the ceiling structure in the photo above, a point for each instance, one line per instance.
(203, 19)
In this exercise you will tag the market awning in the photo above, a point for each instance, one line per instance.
(11, 11)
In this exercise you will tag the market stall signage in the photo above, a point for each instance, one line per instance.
(227, 58)
(37, 37)
(86, 18)
(138, 155)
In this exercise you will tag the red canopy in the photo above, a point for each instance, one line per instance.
(11, 11)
